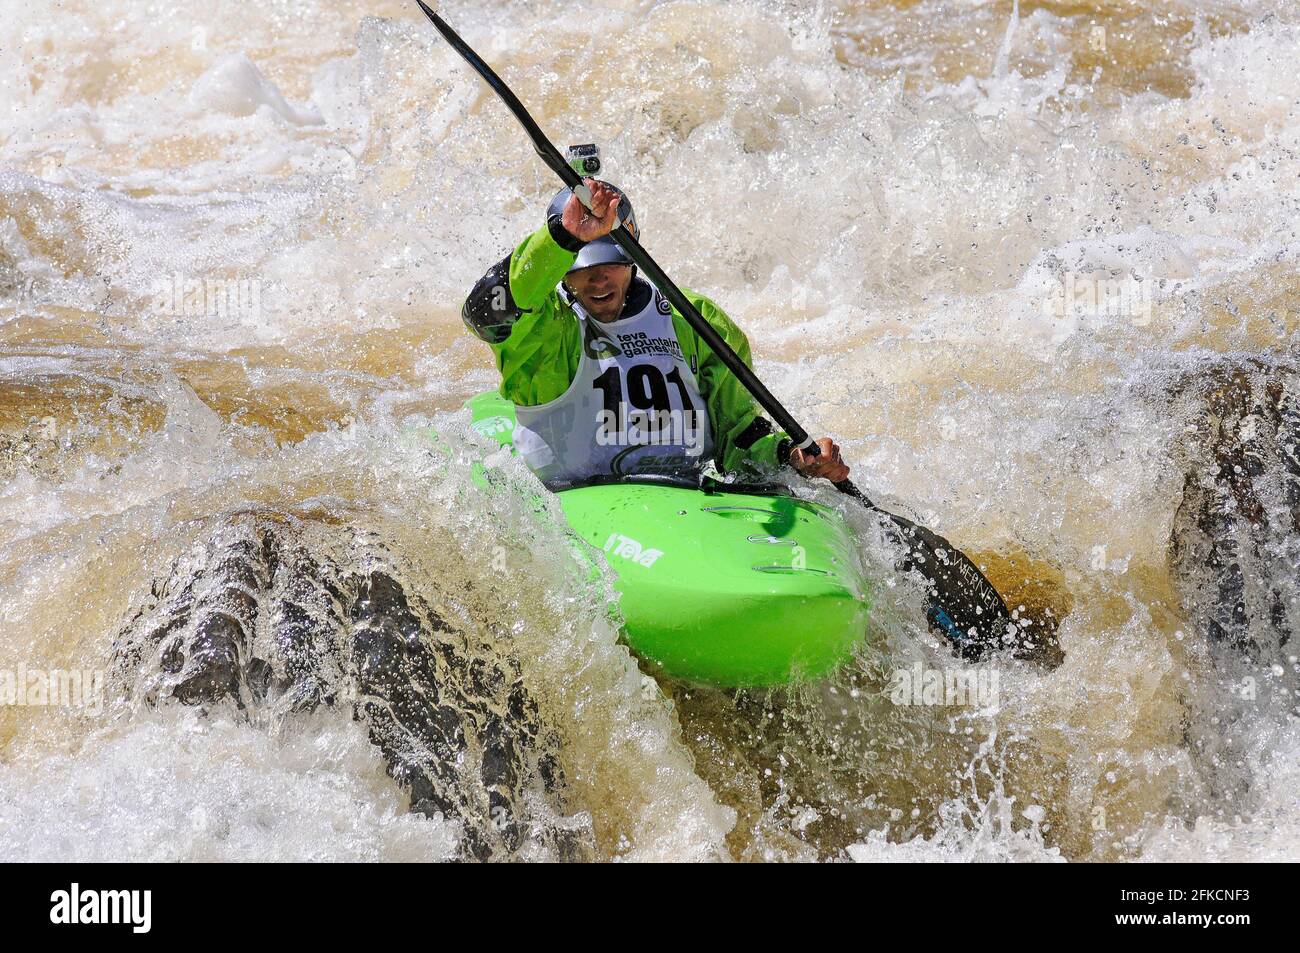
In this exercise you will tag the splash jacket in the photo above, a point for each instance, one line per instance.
(537, 332)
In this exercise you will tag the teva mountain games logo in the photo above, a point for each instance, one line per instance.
(76, 906)
(627, 548)
(636, 343)
(597, 343)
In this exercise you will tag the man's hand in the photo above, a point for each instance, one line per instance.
(587, 226)
(826, 464)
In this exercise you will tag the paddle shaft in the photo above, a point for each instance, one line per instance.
(627, 241)
(963, 604)
(766, 399)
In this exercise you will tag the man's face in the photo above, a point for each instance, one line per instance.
(601, 289)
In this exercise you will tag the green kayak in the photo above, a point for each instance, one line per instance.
(730, 586)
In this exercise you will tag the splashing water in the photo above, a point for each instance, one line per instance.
(1011, 255)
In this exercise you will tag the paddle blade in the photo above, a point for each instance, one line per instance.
(963, 608)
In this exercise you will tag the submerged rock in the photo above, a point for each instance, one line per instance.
(1234, 557)
(276, 615)
(1235, 544)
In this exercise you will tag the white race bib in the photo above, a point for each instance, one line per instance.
(634, 406)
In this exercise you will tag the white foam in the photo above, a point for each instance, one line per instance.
(174, 787)
(888, 248)
(235, 87)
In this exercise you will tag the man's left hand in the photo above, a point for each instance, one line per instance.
(826, 464)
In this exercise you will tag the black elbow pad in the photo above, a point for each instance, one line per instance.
(490, 310)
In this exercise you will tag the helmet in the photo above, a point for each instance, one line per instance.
(604, 250)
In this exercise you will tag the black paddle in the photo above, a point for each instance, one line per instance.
(964, 607)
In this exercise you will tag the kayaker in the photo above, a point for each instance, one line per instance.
(606, 378)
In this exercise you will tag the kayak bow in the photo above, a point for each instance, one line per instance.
(731, 586)
(964, 607)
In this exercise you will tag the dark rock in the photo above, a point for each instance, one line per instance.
(1235, 545)
(273, 615)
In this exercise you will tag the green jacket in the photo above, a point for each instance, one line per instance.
(537, 343)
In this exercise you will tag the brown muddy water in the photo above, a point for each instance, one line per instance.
(1034, 264)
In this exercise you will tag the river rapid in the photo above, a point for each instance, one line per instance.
(1011, 255)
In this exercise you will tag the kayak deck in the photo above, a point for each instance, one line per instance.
(725, 585)
(726, 588)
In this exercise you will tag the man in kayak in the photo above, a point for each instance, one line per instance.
(606, 377)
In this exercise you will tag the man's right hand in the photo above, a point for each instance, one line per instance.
(826, 464)
(587, 226)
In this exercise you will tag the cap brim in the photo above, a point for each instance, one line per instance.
(603, 251)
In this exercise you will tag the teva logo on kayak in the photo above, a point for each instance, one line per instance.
(25, 687)
(75, 906)
(950, 687)
(627, 548)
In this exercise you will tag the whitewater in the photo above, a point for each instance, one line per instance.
(1033, 264)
